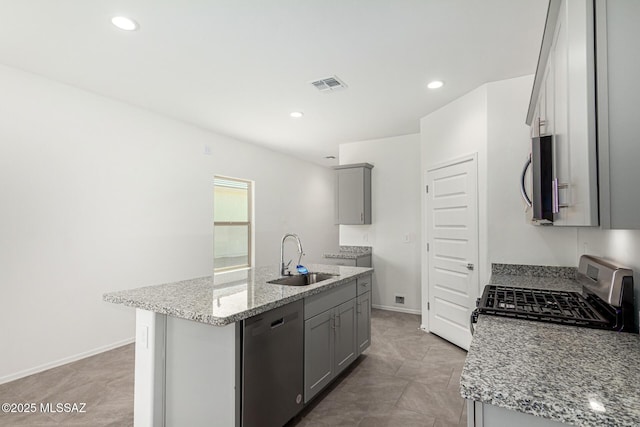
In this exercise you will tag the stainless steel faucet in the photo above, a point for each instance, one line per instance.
(283, 267)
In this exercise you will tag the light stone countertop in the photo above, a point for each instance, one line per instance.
(349, 252)
(226, 298)
(574, 375)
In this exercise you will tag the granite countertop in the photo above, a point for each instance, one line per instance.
(226, 298)
(349, 252)
(569, 374)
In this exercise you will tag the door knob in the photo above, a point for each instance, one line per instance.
(469, 266)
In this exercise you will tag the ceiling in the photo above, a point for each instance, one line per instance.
(239, 67)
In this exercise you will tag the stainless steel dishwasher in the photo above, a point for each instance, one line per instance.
(272, 366)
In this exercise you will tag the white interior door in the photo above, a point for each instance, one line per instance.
(452, 238)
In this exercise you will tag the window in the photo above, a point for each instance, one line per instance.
(231, 223)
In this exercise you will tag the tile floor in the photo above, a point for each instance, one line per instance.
(406, 378)
(104, 382)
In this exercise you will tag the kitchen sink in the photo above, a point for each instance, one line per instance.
(302, 279)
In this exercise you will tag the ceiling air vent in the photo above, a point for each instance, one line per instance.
(329, 84)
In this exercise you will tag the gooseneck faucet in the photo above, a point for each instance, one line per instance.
(283, 267)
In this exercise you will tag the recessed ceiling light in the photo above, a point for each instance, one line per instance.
(435, 84)
(297, 114)
(124, 23)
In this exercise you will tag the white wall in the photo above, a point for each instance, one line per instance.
(395, 182)
(497, 127)
(512, 239)
(456, 130)
(99, 196)
(490, 121)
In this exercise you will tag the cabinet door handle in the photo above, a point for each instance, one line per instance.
(361, 217)
(541, 123)
(359, 310)
(337, 321)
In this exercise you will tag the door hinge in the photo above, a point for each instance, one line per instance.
(427, 188)
(428, 306)
(427, 247)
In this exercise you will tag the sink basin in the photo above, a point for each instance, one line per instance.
(302, 279)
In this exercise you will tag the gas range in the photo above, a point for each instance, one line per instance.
(606, 301)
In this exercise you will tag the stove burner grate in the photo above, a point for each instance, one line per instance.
(544, 305)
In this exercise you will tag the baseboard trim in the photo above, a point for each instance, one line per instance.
(398, 309)
(64, 361)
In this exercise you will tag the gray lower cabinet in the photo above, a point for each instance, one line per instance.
(318, 353)
(363, 316)
(345, 335)
(363, 312)
(329, 346)
(330, 336)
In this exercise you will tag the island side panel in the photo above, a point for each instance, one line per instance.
(200, 374)
(149, 369)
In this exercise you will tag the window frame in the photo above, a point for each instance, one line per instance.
(248, 223)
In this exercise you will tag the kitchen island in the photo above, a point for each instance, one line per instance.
(189, 337)
(527, 373)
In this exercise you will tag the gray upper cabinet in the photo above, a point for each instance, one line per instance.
(585, 94)
(353, 194)
(563, 104)
(618, 69)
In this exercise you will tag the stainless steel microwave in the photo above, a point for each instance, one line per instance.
(544, 197)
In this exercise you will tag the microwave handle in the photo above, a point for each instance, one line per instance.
(523, 190)
(555, 204)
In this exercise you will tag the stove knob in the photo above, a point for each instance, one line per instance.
(477, 302)
(473, 319)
